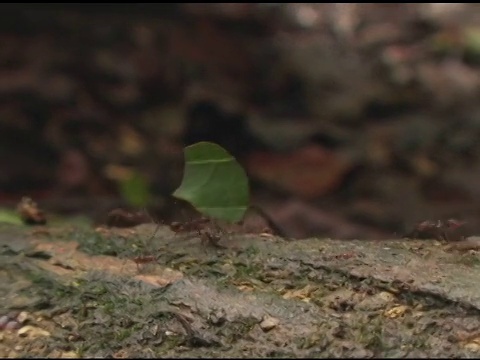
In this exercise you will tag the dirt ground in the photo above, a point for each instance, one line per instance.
(73, 291)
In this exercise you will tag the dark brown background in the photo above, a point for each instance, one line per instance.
(352, 120)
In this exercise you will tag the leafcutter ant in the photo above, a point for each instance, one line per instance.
(440, 230)
(124, 219)
(205, 228)
(141, 260)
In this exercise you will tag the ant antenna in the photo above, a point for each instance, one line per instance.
(153, 221)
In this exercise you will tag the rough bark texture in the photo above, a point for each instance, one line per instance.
(76, 292)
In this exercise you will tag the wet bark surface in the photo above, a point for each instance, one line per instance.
(73, 291)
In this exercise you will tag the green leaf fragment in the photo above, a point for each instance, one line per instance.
(214, 182)
(9, 217)
(135, 190)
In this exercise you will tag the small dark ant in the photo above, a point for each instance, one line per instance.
(141, 260)
(439, 230)
(204, 227)
(189, 226)
(125, 219)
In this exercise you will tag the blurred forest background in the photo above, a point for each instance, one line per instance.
(351, 120)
